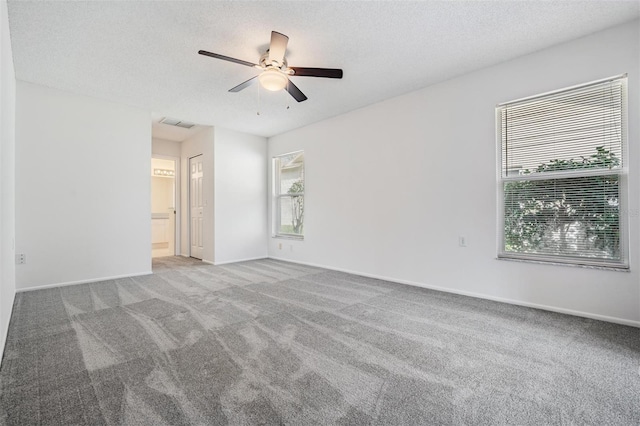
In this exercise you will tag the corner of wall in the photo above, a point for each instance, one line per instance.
(7, 187)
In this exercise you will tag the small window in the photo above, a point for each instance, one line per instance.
(562, 176)
(288, 183)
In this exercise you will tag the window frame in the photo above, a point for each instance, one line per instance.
(623, 188)
(277, 196)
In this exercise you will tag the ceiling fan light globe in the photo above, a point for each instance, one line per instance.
(273, 80)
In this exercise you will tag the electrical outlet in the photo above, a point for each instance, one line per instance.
(279, 246)
(462, 241)
(21, 259)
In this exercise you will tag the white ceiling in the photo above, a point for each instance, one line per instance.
(145, 53)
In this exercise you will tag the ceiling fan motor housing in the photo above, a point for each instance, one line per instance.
(265, 64)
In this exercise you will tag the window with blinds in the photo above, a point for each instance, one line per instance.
(562, 176)
(288, 189)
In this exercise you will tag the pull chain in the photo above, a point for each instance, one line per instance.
(288, 97)
(258, 113)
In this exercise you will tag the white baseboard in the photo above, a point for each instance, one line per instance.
(605, 318)
(91, 280)
(224, 262)
(209, 262)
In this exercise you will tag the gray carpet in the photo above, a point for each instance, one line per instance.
(269, 342)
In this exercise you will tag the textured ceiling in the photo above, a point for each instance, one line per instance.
(145, 53)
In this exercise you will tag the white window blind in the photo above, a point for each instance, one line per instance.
(562, 177)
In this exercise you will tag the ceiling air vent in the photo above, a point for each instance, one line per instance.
(177, 123)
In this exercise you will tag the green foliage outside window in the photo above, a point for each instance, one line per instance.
(578, 215)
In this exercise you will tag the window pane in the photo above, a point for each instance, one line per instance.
(292, 173)
(289, 194)
(574, 217)
(291, 215)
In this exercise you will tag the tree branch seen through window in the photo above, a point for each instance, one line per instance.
(297, 206)
(579, 215)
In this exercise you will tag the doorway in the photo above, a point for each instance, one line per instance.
(196, 207)
(164, 173)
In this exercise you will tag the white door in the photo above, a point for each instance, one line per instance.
(196, 206)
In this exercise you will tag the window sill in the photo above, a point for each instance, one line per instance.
(621, 268)
(288, 237)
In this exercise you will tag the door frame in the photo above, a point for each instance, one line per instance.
(176, 191)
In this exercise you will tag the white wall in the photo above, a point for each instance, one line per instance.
(161, 194)
(199, 144)
(240, 196)
(163, 229)
(165, 147)
(7, 179)
(82, 188)
(390, 187)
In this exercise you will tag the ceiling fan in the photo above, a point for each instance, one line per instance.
(275, 70)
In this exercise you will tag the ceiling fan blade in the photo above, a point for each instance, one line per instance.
(226, 58)
(244, 85)
(295, 92)
(278, 47)
(317, 72)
